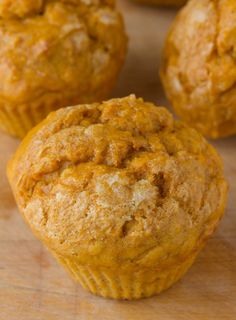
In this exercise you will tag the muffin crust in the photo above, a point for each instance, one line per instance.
(199, 69)
(119, 185)
(20, 8)
(56, 53)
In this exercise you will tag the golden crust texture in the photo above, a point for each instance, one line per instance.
(119, 186)
(164, 3)
(19, 8)
(69, 52)
(199, 67)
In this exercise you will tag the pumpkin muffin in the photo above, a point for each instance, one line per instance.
(199, 66)
(164, 3)
(56, 53)
(123, 195)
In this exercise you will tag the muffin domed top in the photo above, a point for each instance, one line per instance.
(70, 51)
(119, 181)
(206, 52)
(24, 8)
(19, 8)
(199, 69)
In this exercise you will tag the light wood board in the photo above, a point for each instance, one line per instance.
(34, 287)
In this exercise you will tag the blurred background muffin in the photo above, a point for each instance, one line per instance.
(124, 196)
(199, 66)
(55, 54)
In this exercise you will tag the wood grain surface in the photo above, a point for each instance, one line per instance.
(34, 287)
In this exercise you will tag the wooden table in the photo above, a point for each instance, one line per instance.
(34, 287)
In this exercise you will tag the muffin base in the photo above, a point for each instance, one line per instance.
(18, 121)
(115, 284)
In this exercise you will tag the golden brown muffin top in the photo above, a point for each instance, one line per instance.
(24, 8)
(200, 64)
(19, 8)
(72, 48)
(207, 33)
(118, 182)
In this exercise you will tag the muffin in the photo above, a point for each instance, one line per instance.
(164, 3)
(56, 53)
(199, 68)
(123, 195)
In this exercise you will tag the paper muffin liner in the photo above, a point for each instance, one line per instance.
(115, 284)
(18, 121)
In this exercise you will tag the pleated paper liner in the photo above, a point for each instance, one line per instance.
(19, 120)
(114, 284)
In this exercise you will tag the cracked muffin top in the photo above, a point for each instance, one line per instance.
(20, 8)
(24, 8)
(199, 66)
(118, 182)
(67, 50)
